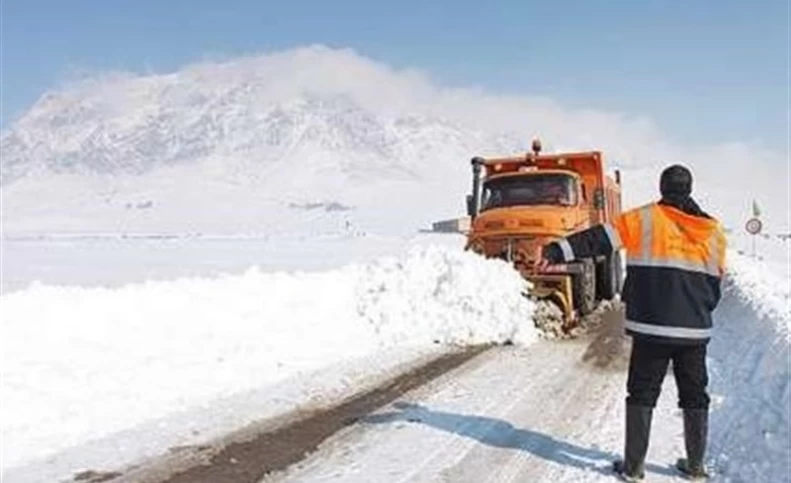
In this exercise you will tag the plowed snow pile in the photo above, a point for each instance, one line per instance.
(80, 364)
(750, 374)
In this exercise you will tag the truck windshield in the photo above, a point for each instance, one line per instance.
(532, 189)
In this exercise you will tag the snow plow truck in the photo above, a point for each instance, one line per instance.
(520, 203)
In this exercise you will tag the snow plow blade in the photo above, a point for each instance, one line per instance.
(556, 289)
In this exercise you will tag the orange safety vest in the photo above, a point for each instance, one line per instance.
(675, 262)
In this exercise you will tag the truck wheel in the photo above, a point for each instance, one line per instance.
(585, 288)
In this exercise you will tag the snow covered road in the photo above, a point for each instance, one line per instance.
(551, 412)
(512, 414)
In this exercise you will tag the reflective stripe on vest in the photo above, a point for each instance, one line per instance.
(647, 259)
(665, 331)
(565, 247)
(612, 236)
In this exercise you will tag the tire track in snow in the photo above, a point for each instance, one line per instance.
(524, 468)
(548, 392)
(453, 468)
(345, 442)
(459, 446)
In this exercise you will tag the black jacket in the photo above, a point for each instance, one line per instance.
(675, 261)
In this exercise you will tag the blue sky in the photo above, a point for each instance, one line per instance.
(706, 71)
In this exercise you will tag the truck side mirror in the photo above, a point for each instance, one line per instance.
(598, 199)
(470, 206)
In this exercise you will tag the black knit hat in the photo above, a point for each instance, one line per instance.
(676, 182)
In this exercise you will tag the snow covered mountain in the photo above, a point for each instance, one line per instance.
(252, 113)
(90, 135)
(240, 146)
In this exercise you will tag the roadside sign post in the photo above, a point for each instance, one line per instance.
(753, 227)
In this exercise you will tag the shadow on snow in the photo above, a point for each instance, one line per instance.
(502, 434)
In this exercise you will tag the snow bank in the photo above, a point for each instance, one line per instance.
(79, 364)
(449, 296)
(750, 378)
(762, 286)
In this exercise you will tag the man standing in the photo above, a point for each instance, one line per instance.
(675, 263)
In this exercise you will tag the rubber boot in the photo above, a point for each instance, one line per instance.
(638, 432)
(696, 426)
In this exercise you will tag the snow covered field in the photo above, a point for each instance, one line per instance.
(111, 260)
(81, 364)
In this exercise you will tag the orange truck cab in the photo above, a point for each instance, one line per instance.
(520, 203)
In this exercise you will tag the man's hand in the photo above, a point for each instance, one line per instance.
(542, 264)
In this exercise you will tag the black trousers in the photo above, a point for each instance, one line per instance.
(648, 366)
